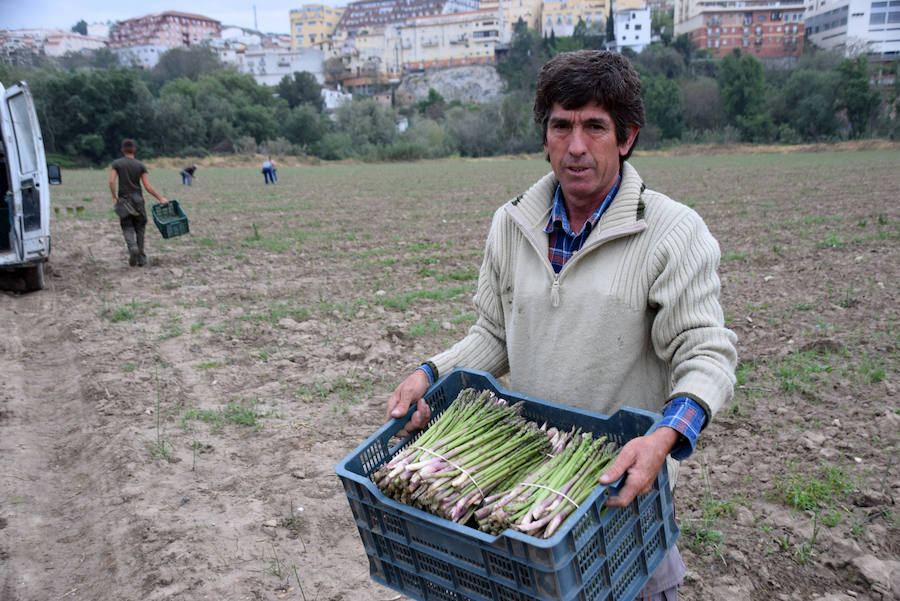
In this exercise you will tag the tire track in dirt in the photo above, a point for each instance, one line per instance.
(45, 430)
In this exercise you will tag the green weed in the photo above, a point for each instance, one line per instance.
(404, 301)
(245, 413)
(733, 256)
(814, 492)
(797, 371)
(417, 330)
(127, 312)
(210, 364)
(833, 241)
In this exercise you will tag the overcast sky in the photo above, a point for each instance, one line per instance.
(271, 16)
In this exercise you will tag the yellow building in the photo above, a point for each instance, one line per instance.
(561, 16)
(313, 24)
(448, 40)
(510, 11)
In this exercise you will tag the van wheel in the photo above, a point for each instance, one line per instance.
(34, 277)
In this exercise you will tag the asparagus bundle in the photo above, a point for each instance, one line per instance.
(546, 497)
(481, 459)
(478, 444)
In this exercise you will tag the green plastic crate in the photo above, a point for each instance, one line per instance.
(170, 219)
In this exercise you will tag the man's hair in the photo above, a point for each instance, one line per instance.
(573, 79)
(128, 145)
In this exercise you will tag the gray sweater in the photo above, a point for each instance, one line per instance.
(632, 319)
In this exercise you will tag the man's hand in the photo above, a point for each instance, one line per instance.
(640, 459)
(163, 201)
(411, 390)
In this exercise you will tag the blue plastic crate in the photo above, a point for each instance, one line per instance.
(598, 554)
(170, 219)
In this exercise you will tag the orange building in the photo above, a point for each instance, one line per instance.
(761, 28)
(171, 29)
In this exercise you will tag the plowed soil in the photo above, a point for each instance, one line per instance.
(170, 432)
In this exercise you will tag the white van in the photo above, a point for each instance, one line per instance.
(24, 189)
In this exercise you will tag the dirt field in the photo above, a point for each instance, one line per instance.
(170, 432)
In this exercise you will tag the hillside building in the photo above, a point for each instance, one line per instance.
(170, 29)
(313, 24)
(49, 42)
(377, 40)
(268, 66)
(510, 11)
(762, 28)
(142, 40)
(855, 27)
(560, 17)
(58, 43)
(632, 28)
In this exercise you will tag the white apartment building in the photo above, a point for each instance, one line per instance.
(58, 43)
(145, 56)
(51, 42)
(632, 28)
(269, 66)
(855, 27)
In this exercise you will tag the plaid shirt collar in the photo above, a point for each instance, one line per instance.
(559, 219)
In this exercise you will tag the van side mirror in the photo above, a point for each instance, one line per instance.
(54, 174)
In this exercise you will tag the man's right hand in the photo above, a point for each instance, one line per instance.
(411, 390)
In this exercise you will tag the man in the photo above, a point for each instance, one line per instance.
(187, 174)
(128, 203)
(268, 170)
(597, 292)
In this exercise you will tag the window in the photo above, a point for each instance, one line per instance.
(637, 27)
(877, 18)
(22, 128)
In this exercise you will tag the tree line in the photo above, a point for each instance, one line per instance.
(191, 105)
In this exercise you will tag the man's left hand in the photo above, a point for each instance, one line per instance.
(640, 460)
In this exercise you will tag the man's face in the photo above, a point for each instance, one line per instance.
(584, 153)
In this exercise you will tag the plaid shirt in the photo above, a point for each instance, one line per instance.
(564, 243)
(682, 414)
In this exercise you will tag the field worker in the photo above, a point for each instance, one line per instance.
(268, 170)
(597, 292)
(187, 174)
(128, 203)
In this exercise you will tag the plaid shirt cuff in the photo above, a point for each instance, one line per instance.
(685, 416)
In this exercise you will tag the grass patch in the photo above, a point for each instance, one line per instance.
(417, 330)
(240, 413)
(210, 364)
(404, 301)
(799, 371)
(127, 312)
(826, 488)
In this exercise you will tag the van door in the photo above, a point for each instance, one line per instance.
(27, 174)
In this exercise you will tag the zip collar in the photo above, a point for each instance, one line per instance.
(624, 217)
